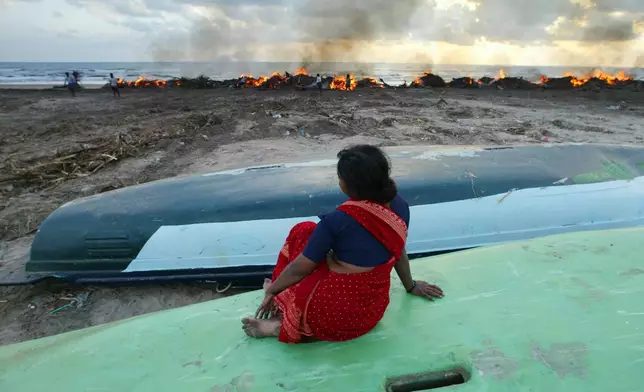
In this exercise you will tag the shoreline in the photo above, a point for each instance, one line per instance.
(44, 86)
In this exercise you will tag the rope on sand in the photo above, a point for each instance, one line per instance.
(221, 291)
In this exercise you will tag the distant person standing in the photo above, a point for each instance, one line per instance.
(318, 82)
(67, 79)
(348, 85)
(72, 82)
(114, 84)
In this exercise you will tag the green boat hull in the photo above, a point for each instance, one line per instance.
(562, 313)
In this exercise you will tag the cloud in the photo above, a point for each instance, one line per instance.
(343, 30)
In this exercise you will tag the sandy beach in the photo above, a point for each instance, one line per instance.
(55, 148)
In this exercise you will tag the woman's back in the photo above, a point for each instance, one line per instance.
(350, 242)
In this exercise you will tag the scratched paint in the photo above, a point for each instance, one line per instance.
(609, 171)
(235, 172)
(523, 214)
(438, 153)
(528, 338)
(568, 359)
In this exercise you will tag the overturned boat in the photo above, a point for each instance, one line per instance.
(559, 313)
(229, 226)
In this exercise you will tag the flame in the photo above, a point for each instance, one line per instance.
(543, 79)
(578, 81)
(340, 83)
(301, 71)
(142, 82)
(373, 82)
(257, 82)
(419, 81)
(501, 74)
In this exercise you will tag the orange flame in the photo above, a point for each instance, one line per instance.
(142, 82)
(340, 83)
(501, 74)
(579, 81)
(419, 81)
(543, 79)
(373, 82)
(301, 71)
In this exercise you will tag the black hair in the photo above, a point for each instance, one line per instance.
(111, 75)
(365, 170)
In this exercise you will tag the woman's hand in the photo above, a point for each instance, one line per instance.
(429, 291)
(265, 310)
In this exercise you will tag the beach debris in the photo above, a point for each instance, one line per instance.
(621, 106)
(277, 116)
(441, 103)
(204, 137)
(76, 302)
(221, 291)
(560, 182)
(472, 178)
(82, 159)
(506, 195)
(428, 80)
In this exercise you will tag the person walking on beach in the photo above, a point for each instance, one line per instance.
(348, 83)
(318, 82)
(72, 81)
(114, 84)
(67, 79)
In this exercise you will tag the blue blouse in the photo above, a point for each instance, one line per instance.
(350, 242)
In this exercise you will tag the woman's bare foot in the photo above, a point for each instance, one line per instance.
(261, 328)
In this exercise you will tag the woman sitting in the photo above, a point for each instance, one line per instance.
(332, 280)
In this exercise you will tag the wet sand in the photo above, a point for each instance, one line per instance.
(169, 132)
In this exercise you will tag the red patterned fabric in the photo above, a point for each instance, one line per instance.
(336, 307)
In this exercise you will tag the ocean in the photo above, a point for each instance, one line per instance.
(98, 73)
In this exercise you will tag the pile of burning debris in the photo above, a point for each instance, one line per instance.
(302, 80)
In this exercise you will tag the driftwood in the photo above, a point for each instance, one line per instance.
(88, 160)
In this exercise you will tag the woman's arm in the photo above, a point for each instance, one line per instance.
(297, 270)
(419, 288)
(404, 271)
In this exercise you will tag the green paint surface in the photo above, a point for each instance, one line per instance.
(563, 313)
(610, 171)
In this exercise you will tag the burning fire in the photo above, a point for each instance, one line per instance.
(374, 83)
(257, 82)
(419, 81)
(579, 81)
(142, 82)
(543, 80)
(500, 75)
(301, 71)
(340, 83)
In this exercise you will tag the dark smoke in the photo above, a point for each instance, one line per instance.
(336, 30)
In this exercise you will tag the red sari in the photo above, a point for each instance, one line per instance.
(335, 307)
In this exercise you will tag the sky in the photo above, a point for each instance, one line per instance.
(482, 32)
